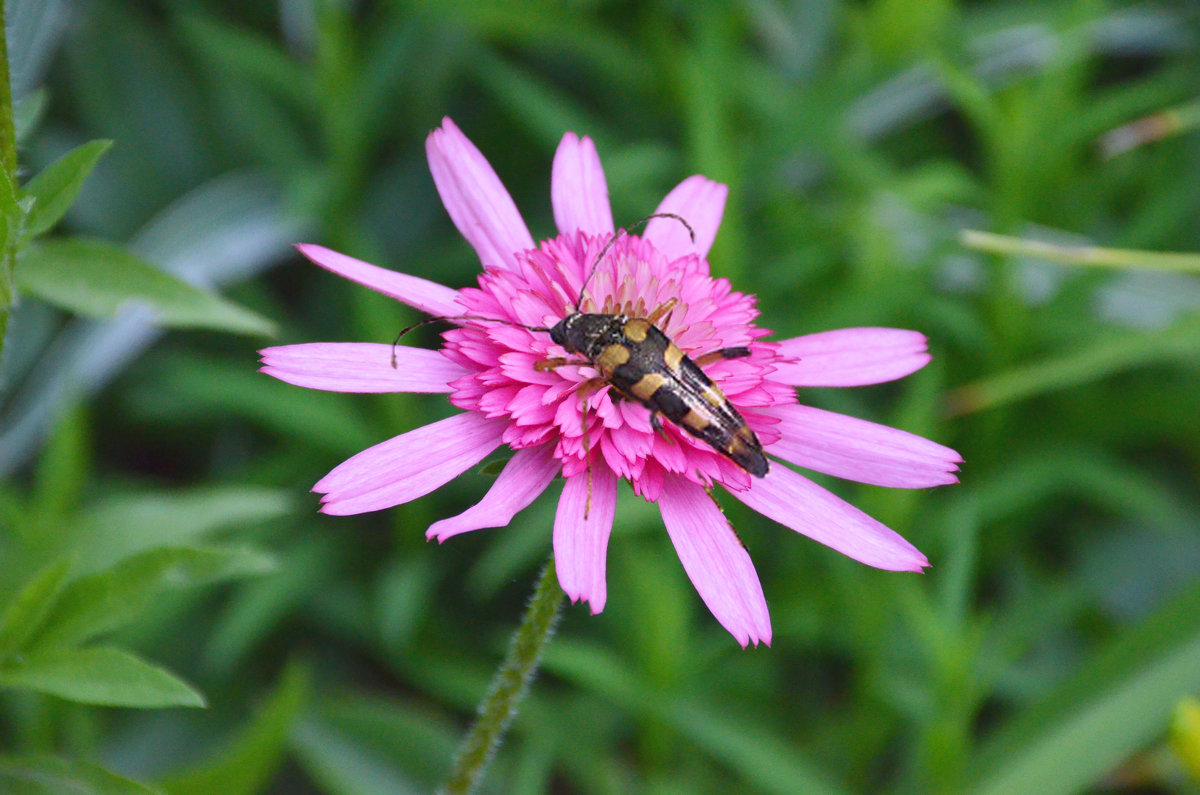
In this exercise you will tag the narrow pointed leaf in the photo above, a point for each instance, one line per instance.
(27, 113)
(98, 278)
(55, 188)
(52, 775)
(26, 612)
(102, 675)
(248, 764)
(124, 525)
(110, 599)
(1117, 705)
(340, 764)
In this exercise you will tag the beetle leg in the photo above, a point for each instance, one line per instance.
(552, 363)
(584, 391)
(723, 353)
(662, 309)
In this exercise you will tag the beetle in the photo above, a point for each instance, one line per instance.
(634, 357)
(643, 365)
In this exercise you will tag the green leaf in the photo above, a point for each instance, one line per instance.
(112, 598)
(27, 113)
(26, 613)
(248, 764)
(102, 675)
(1117, 705)
(97, 278)
(1101, 357)
(122, 526)
(415, 736)
(206, 388)
(54, 190)
(60, 477)
(52, 775)
(254, 612)
(755, 752)
(341, 765)
(251, 57)
(759, 756)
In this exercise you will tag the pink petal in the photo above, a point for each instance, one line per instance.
(578, 191)
(715, 560)
(409, 465)
(475, 198)
(425, 295)
(796, 502)
(851, 357)
(581, 543)
(855, 449)
(700, 202)
(524, 477)
(360, 367)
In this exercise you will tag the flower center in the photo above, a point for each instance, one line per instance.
(553, 395)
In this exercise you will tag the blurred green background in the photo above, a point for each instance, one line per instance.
(1050, 647)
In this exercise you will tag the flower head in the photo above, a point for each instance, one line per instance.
(494, 366)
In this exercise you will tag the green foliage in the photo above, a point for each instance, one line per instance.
(47, 775)
(27, 609)
(97, 675)
(1116, 705)
(157, 543)
(53, 191)
(102, 602)
(253, 757)
(95, 278)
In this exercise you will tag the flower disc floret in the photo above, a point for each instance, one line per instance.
(631, 278)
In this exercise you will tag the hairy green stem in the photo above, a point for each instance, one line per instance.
(8, 133)
(8, 162)
(510, 685)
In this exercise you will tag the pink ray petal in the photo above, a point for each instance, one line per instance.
(409, 465)
(854, 449)
(524, 477)
(431, 297)
(715, 560)
(578, 190)
(700, 202)
(796, 502)
(581, 544)
(851, 357)
(360, 367)
(475, 198)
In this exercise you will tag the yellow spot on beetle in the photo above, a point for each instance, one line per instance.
(611, 358)
(647, 385)
(637, 330)
(673, 356)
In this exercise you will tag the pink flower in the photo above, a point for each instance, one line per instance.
(488, 366)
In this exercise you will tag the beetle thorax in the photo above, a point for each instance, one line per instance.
(588, 334)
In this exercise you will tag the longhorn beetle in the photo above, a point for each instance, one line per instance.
(643, 365)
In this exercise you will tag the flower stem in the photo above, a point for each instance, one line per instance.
(8, 167)
(510, 685)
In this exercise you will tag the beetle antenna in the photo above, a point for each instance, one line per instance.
(444, 318)
(617, 236)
